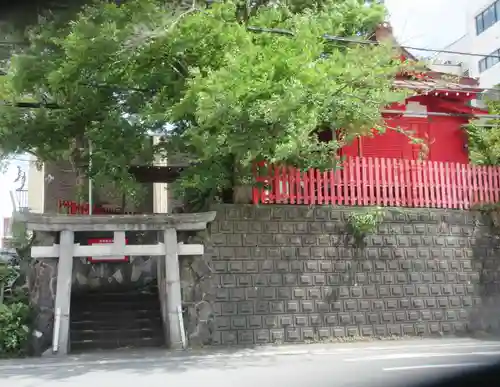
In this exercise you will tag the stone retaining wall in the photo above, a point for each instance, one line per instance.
(293, 274)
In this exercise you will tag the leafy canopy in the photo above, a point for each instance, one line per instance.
(233, 94)
(484, 136)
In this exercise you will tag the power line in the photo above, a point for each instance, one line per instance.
(370, 42)
(335, 38)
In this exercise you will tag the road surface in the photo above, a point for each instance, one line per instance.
(381, 363)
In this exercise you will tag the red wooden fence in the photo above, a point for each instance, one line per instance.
(382, 182)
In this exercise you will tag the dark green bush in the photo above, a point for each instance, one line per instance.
(14, 329)
(14, 313)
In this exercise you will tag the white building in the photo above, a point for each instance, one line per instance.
(482, 37)
(451, 63)
(483, 27)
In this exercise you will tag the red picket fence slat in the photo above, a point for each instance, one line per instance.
(377, 181)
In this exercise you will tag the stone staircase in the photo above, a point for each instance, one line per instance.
(116, 319)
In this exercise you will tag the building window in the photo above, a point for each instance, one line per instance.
(489, 61)
(479, 24)
(482, 65)
(488, 17)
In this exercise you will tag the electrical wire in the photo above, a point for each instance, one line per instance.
(370, 42)
(335, 38)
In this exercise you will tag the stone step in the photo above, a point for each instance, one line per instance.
(116, 319)
(115, 314)
(105, 304)
(117, 335)
(89, 345)
(108, 324)
(114, 296)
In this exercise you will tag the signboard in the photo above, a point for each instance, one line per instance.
(72, 207)
(101, 241)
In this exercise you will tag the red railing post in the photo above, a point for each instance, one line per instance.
(481, 185)
(359, 178)
(420, 182)
(319, 186)
(340, 184)
(333, 185)
(474, 198)
(390, 182)
(496, 185)
(453, 184)
(365, 181)
(489, 192)
(371, 182)
(312, 186)
(352, 183)
(292, 184)
(324, 177)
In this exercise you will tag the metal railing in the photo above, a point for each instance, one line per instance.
(19, 199)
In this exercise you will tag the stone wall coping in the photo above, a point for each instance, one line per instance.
(148, 222)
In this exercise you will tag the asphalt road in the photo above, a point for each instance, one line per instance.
(382, 363)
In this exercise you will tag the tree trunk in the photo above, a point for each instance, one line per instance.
(242, 194)
(242, 189)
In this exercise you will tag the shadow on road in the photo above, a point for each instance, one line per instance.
(133, 363)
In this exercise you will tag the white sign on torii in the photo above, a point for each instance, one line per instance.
(169, 285)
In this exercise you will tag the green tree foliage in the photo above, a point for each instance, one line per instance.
(484, 136)
(14, 311)
(14, 329)
(233, 94)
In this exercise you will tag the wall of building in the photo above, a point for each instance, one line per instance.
(292, 274)
(163, 197)
(484, 43)
(36, 184)
(58, 181)
(447, 68)
(452, 63)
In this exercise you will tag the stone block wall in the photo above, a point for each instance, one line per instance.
(103, 276)
(293, 274)
(138, 272)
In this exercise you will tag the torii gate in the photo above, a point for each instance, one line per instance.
(169, 276)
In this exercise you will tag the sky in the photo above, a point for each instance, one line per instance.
(428, 23)
(418, 23)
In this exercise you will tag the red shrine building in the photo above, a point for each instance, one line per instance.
(437, 113)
